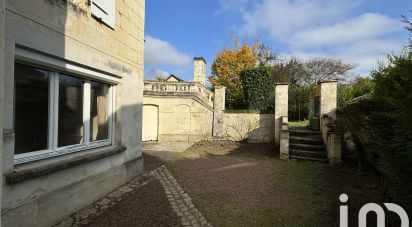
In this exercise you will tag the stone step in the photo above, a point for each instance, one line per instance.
(307, 147)
(311, 134)
(303, 132)
(308, 154)
(308, 159)
(305, 140)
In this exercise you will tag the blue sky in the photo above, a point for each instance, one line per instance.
(356, 31)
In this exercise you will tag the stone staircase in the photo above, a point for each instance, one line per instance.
(306, 144)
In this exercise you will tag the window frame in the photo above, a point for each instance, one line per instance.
(29, 58)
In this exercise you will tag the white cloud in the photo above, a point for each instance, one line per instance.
(364, 53)
(151, 74)
(282, 18)
(362, 27)
(309, 28)
(232, 5)
(160, 52)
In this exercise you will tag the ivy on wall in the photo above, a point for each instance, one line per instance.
(258, 88)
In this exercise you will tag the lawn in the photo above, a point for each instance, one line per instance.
(235, 184)
(299, 124)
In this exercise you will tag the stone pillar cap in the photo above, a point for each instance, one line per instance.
(328, 81)
(199, 59)
(281, 83)
(220, 87)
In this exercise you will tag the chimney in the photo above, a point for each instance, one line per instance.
(199, 70)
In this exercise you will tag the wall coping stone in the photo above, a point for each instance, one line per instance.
(192, 95)
(328, 81)
(248, 112)
(70, 160)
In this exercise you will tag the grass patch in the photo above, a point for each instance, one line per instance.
(297, 192)
(231, 214)
(304, 123)
(235, 184)
(291, 188)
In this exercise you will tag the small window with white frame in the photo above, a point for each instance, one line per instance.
(57, 113)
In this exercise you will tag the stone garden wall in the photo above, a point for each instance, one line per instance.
(184, 116)
(181, 118)
(250, 127)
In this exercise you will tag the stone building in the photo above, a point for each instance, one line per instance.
(176, 110)
(71, 85)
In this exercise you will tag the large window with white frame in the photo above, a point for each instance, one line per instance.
(58, 113)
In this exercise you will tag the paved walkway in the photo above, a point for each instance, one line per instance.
(165, 150)
(179, 199)
(152, 199)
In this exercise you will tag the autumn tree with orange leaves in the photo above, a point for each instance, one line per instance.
(232, 60)
(226, 72)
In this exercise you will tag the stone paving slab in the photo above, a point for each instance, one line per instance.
(166, 146)
(165, 150)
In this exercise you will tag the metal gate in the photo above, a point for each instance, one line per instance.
(314, 109)
(150, 122)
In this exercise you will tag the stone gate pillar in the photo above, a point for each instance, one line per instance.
(218, 108)
(328, 99)
(327, 112)
(281, 109)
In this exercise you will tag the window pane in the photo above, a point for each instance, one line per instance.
(31, 108)
(98, 111)
(70, 110)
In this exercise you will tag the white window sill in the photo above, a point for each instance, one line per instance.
(40, 155)
(36, 169)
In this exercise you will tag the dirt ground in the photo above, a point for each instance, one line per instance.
(146, 206)
(237, 184)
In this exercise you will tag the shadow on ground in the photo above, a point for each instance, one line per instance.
(147, 206)
(151, 162)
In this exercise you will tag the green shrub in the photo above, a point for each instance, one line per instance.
(360, 86)
(257, 87)
(392, 120)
